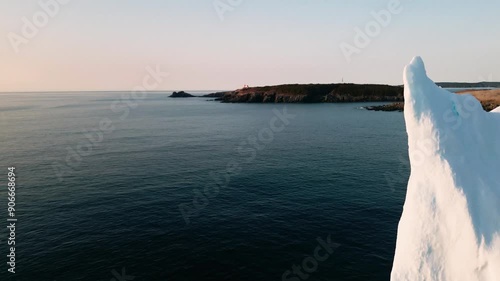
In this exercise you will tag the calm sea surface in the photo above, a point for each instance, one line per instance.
(102, 186)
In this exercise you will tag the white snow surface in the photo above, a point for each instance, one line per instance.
(450, 226)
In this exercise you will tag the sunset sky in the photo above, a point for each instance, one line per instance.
(107, 44)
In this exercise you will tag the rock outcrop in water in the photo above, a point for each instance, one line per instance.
(313, 93)
(214, 95)
(398, 106)
(181, 94)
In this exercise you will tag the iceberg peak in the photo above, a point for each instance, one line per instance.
(417, 64)
(450, 226)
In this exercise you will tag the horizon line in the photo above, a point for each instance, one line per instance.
(212, 90)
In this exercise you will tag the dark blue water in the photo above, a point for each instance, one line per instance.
(88, 210)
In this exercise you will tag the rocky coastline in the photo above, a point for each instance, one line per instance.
(312, 93)
(397, 106)
(333, 93)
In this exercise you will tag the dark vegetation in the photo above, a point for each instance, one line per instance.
(315, 93)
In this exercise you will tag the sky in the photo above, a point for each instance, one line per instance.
(86, 45)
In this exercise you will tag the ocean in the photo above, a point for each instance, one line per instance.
(154, 188)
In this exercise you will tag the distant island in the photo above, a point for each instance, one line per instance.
(476, 85)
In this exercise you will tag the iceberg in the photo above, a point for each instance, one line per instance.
(450, 225)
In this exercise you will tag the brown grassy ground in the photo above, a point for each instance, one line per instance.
(490, 99)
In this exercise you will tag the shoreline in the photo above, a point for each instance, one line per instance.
(336, 93)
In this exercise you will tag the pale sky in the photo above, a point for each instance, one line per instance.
(107, 44)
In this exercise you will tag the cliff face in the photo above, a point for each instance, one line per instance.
(315, 93)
